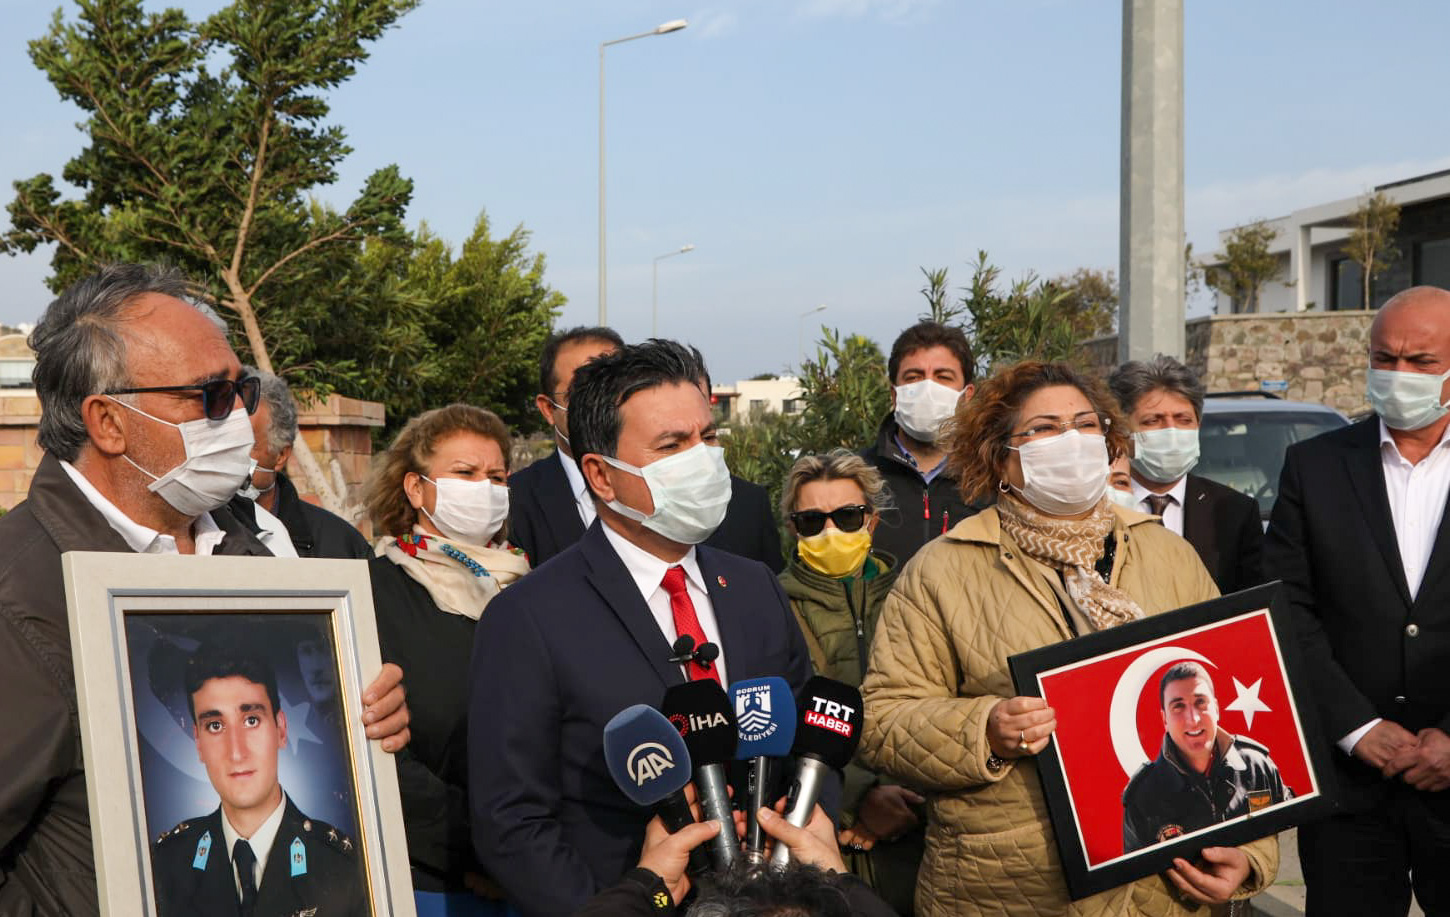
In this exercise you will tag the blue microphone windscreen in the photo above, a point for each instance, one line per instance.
(765, 712)
(645, 754)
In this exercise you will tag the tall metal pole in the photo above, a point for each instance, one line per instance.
(1151, 243)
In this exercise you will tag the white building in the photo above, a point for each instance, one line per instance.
(1315, 273)
(778, 395)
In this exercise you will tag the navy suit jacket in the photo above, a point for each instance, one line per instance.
(555, 657)
(1370, 649)
(1225, 528)
(544, 520)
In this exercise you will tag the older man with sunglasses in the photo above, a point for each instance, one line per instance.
(139, 395)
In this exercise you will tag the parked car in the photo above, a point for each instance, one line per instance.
(1244, 435)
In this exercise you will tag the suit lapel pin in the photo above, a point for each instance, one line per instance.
(721, 581)
(203, 850)
(299, 858)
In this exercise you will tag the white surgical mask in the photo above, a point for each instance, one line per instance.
(922, 407)
(218, 459)
(1123, 498)
(468, 511)
(250, 490)
(691, 491)
(1165, 455)
(1065, 474)
(1405, 401)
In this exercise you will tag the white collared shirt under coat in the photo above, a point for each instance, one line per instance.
(1173, 512)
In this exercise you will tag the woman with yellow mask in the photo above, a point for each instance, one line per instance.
(836, 584)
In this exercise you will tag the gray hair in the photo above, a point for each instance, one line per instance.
(79, 349)
(1136, 378)
(836, 465)
(281, 409)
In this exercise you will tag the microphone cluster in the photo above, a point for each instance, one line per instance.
(699, 729)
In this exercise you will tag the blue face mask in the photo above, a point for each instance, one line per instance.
(1406, 401)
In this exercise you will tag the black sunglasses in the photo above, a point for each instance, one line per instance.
(217, 396)
(810, 522)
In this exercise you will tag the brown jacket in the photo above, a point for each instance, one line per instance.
(938, 665)
(46, 863)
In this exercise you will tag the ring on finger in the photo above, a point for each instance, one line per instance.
(1022, 743)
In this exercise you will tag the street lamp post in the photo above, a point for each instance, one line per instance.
(673, 25)
(801, 330)
(654, 299)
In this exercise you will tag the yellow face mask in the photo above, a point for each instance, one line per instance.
(836, 553)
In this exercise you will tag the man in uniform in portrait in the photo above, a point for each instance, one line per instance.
(1203, 775)
(257, 855)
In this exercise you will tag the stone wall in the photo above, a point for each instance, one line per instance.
(339, 430)
(1320, 356)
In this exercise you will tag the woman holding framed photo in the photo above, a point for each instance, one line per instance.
(1054, 559)
(439, 497)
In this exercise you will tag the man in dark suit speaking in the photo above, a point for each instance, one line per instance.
(589, 633)
(1163, 401)
(1361, 539)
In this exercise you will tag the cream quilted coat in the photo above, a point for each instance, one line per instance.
(964, 603)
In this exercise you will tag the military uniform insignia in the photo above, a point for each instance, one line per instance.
(306, 912)
(1260, 799)
(203, 850)
(1168, 832)
(346, 844)
(307, 824)
(332, 835)
(298, 858)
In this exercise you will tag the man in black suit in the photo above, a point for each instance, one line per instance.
(1360, 537)
(1163, 401)
(257, 855)
(588, 634)
(549, 506)
(269, 504)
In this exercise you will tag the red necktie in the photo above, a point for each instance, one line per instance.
(686, 622)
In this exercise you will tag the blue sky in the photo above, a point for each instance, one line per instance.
(821, 151)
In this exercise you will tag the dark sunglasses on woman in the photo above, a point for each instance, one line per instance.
(810, 522)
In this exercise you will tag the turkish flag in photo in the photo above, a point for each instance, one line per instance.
(1110, 723)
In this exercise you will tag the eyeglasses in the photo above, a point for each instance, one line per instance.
(810, 522)
(217, 396)
(1086, 422)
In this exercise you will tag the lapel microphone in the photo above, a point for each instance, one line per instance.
(683, 650)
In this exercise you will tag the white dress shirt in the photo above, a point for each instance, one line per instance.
(1173, 512)
(648, 573)
(1417, 502)
(582, 498)
(260, 842)
(143, 540)
(274, 533)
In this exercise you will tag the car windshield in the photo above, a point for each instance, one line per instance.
(1245, 449)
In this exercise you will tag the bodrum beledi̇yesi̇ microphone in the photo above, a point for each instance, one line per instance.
(765, 714)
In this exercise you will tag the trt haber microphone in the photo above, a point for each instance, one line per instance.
(701, 711)
(825, 740)
(765, 713)
(650, 764)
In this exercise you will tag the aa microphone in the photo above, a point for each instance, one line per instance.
(700, 710)
(825, 740)
(765, 713)
(650, 764)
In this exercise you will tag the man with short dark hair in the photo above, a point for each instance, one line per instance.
(549, 506)
(1203, 775)
(138, 392)
(930, 370)
(591, 632)
(1163, 402)
(257, 854)
(269, 503)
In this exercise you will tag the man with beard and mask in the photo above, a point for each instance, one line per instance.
(1163, 402)
(567, 647)
(269, 503)
(1359, 536)
(549, 506)
(930, 370)
(139, 395)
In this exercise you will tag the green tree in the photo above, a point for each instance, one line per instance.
(1090, 300)
(1244, 266)
(1371, 242)
(204, 142)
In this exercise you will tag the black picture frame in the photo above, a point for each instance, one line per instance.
(1088, 872)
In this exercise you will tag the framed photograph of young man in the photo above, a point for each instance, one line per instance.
(1181, 731)
(221, 721)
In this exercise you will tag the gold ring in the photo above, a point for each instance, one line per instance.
(1022, 741)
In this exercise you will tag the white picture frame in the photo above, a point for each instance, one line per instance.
(115, 600)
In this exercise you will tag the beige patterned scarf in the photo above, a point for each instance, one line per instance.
(1071, 546)
(461, 578)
